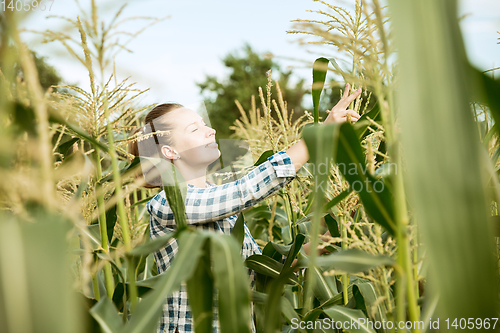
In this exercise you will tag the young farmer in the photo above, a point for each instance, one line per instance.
(191, 147)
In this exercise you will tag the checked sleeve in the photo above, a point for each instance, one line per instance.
(218, 202)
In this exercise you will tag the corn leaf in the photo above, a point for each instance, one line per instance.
(366, 291)
(231, 280)
(320, 68)
(322, 289)
(443, 158)
(151, 246)
(200, 288)
(374, 193)
(35, 283)
(353, 261)
(343, 314)
(265, 155)
(267, 266)
(238, 231)
(149, 310)
(106, 314)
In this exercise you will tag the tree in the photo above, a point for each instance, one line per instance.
(47, 74)
(247, 74)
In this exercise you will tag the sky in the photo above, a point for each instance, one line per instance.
(171, 56)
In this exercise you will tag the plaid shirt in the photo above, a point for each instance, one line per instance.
(213, 208)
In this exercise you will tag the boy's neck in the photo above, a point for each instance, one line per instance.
(196, 177)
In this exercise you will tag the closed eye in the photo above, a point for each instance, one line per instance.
(203, 123)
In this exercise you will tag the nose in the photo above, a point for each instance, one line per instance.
(210, 131)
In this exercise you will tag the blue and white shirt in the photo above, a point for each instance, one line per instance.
(214, 208)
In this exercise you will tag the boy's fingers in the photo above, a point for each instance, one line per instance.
(353, 96)
(350, 112)
(353, 114)
(344, 102)
(346, 91)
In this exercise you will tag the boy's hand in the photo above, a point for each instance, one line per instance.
(339, 112)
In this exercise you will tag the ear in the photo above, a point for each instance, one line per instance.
(169, 153)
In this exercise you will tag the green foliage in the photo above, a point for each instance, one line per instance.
(35, 282)
(372, 233)
(200, 288)
(447, 162)
(246, 75)
(320, 67)
(47, 74)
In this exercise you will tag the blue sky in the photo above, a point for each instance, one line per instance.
(171, 56)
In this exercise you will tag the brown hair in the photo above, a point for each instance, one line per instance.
(151, 127)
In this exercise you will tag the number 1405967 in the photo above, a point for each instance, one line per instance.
(19, 5)
(471, 323)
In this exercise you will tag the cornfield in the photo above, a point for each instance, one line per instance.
(410, 194)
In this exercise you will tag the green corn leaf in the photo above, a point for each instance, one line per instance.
(487, 138)
(106, 314)
(309, 217)
(281, 249)
(176, 197)
(35, 282)
(369, 296)
(259, 217)
(320, 67)
(337, 68)
(111, 218)
(94, 234)
(294, 250)
(151, 282)
(288, 310)
(374, 193)
(265, 155)
(119, 292)
(353, 261)
(362, 125)
(382, 148)
(151, 246)
(343, 314)
(77, 131)
(128, 168)
(322, 143)
(332, 203)
(267, 266)
(322, 289)
(258, 297)
(489, 92)
(332, 225)
(149, 310)
(231, 280)
(200, 288)
(275, 251)
(444, 166)
(140, 202)
(338, 299)
(238, 231)
(273, 307)
(174, 185)
(66, 146)
(312, 315)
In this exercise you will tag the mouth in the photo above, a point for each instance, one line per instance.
(212, 145)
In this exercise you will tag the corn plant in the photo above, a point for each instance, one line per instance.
(418, 155)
